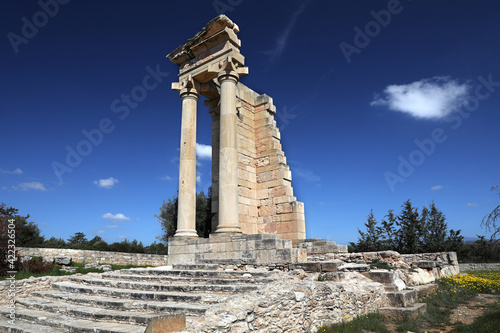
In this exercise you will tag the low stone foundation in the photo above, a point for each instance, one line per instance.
(101, 257)
(259, 249)
(480, 267)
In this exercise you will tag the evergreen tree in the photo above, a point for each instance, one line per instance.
(78, 240)
(410, 229)
(435, 230)
(371, 240)
(389, 231)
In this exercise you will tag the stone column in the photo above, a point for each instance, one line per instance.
(228, 77)
(186, 211)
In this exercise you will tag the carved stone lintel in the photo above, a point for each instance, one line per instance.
(187, 86)
(228, 69)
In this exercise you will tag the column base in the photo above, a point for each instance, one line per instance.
(228, 230)
(186, 233)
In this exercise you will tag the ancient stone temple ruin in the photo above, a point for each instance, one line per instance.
(251, 182)
(256, 272)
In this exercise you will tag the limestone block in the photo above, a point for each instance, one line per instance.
(63, 260)
(280, 190)
(262, 193)
(267, 210)
(167, 324)
(284, 227)
(246, 192)
(248, 201)
(284, 208)
(245, 183)
(244, 159)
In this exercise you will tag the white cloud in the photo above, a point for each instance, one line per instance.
(203, 152)
(116, 217)
(198, 177)
(16, 171)
(106, 183)
(437, 187)
(433, 98)
(111, 226)
(30, 186)
(99, 232)
(122, 237)
(167, 178)
(472, 204)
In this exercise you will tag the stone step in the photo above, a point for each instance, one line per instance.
(63, 323)
(198, 273)
(125, 304)
(405, 298)
(196, 266)
(390, 279)
(126, 293)
(20, 326)
(397, 313)
(164, 287)
(187, 279)
(86, 312)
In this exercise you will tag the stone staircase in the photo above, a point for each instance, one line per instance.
(403, 301)
(126, 301)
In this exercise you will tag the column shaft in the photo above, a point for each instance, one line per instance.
(228, 157)
(186, 211)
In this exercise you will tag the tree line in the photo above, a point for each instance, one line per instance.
(426, 231)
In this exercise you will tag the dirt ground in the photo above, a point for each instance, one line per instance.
(465, 313)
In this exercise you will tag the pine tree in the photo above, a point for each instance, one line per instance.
(371, 240)
(408, 235)
(389, 231)
(435, 230)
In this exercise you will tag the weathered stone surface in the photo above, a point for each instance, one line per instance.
(102, 257)
(65, 261)
(166, 324)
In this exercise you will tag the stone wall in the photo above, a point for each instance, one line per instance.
(293, 304)
(265, 194)
(480, 267)
(101, 257)
(414, 269)
(11, 289)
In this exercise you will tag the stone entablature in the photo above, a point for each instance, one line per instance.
(251, 182)
(101, 257)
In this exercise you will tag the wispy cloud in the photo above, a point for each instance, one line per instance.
(16, 171)
(432, 98)
(106, 183)
(203, 152)
(306, 174)
(282, 39)
(112, 226)
(100, 232)
(30, 186)
(167, 178)
(472, 204)
(116, 217)
(122, 237)
(437, 187)
(198, 177)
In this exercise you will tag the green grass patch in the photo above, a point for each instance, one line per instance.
(372, 322)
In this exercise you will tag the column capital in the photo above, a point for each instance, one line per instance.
(228, 69)
(187, 87)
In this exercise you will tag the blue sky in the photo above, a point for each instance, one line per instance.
(378, 102)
